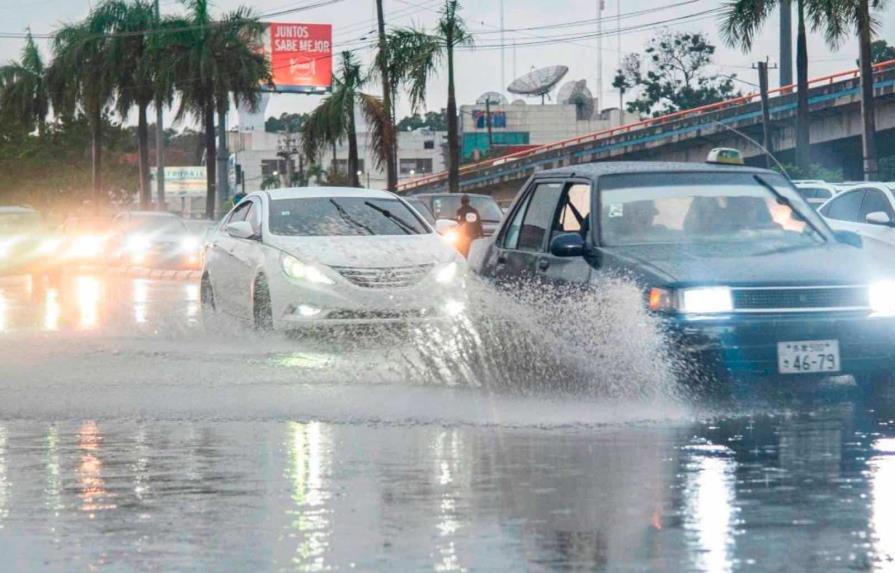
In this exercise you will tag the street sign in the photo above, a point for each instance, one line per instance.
(300, 56)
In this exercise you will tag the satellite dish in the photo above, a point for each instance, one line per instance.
(576, 93)
(538, 82)
(493, 98)
(518, 102)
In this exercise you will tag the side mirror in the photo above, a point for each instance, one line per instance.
(879, 218)
(444, 225)
(568, 245)
(240, 230)
(849, 238)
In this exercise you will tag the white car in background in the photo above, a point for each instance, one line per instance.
(289, 258)
(816, 192)
(864, 208)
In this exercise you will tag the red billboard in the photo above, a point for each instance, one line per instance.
(301, 57)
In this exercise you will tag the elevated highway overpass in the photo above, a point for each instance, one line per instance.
(689, 135)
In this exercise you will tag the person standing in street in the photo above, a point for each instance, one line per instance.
(469, 225)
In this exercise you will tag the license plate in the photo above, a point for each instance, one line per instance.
(808, 356)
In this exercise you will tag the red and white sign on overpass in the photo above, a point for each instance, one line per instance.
(301, 57)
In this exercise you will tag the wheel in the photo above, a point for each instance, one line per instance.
(262, 309)
(206, 297)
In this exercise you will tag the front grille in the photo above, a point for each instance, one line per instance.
(377, 314)
(794, 299)
(389, 277)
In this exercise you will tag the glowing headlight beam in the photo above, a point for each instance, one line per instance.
(705, 300)
(881, 296)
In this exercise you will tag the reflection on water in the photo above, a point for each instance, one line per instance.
(882, 489)
(309, 452)
(4, 479)
(710, 514)
(94, 496)
(88, 293)
(53, 487)
(447, 456)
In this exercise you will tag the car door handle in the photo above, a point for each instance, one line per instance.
(543, 264)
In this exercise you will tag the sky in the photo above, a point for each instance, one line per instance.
(479, 69)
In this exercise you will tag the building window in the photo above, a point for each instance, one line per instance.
(418, 166)
(429, 144)
(342, 166)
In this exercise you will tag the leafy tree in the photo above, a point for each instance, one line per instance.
(672, 75)
(291, 122)
(24, 98)
(881, 51)
(433, 120)
(417, 54)
(334, 119)
(80, 78)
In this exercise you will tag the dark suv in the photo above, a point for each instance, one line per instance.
(733, 261)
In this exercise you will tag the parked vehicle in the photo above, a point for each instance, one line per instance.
(155, 239)
(289, 258)
(742, 274)
(815, 192)
(864, 208)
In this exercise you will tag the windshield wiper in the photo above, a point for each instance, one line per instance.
(404, 225)
(784, 200)
(349, 219)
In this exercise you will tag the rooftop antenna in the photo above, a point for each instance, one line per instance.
(538, 82)
(600, 49)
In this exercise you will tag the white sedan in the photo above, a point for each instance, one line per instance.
(289, 258)
(864, 208)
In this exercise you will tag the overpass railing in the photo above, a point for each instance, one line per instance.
(643, 124)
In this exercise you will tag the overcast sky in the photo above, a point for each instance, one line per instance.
(479, 70)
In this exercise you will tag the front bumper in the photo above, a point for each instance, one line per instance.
(747, 344)
(297, 306)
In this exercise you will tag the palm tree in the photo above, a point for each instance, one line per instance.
(80, 79)
(417, 55)
(133, 68)
(334, 119)
(841, 16)
(383, 60)
(24, 98)
(211, 60)
(740, 24)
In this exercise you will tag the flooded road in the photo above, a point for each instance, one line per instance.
(134, 438)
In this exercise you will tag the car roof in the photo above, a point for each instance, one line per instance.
(601, 168)
(419, 195)
(317, 192)
(7, 210)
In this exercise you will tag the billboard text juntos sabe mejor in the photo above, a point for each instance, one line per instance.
(300, 56)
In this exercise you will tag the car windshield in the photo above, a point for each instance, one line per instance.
(701, 208)
(17, 222)
(341, 216)
(445, 207)
(422, 210)
(157, 224)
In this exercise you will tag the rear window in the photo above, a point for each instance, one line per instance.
(343, 216)
(446, 207)
(422, 210)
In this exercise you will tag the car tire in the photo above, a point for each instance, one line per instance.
(262, 309)
(206, 297)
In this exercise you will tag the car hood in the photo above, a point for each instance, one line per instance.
(826, 264)
(367, 251)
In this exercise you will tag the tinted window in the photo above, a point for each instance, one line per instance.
(511, 240)
(341, 216)
(240, 213)
(822, 193)
(845, 207)
(575, 210)
(539, 216)
(875, 201)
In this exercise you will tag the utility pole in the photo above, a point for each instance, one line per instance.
(785, 42)
(159, 135)
(599, 51)
(762, 68)
(388, 135)
(868, 114)
(503, 58)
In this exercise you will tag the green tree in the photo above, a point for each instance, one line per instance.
(80, 78)
(334, 119)
(881, 51)
(24, 97)
(841, 19)
(433, 120)
(672, 75)
(291, 122)
(417, 54)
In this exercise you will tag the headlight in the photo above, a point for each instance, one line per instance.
(298, 270)
(47, 246)
(447, 273)
(882, 297)
(452, 236)
(705, 300)
(137, 244)
(699, 300)
(190, 244)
